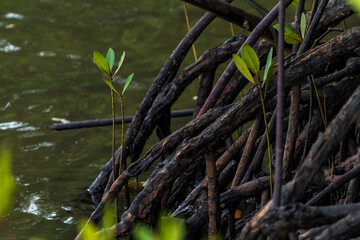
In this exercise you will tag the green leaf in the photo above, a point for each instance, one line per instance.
(287, 28)
(89, 231)
(251, 59)
(120, 62)
(269, 78)
(292, 38)
(303, 25)
(172, 228)
(242, 67)
(101, 62)
(108, 220)
(295, 3)
(110, 58)
(7, 185)
(142, 232)
(127, 82)
(268, 64)
(111, 86)
(355, 5)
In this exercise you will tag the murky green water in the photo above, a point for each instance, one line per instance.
(46, 72)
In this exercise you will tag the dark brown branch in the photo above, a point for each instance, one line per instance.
(335, 12)
(318, 154)
(165, 75)
(225, 158)
(206, 83)
(213, 196)
(164, 146)
(314, 23)
(230, 13)
(334, 185)
(346, 228)
(291, 135)
(278, 222)
(236, 194)
(258, 157)
(108, 121)
(231, 68)
(353, 188)
(246, 156)
(208, 61)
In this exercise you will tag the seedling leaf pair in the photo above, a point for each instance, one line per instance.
(106, 65)
(243, 68)
(250, 60)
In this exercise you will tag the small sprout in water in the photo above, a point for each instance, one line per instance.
(106, 65)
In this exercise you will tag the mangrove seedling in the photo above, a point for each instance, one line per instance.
(106, 66)
(250, 61)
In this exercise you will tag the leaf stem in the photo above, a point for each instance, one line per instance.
(113, 146)
(267, 135)
(123, 161)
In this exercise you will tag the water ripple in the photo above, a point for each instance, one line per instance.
(34, 147)
(12, 125)
(9, 48)
(33, 208)
(13, 16)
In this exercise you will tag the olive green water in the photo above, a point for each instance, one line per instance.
(46, 72)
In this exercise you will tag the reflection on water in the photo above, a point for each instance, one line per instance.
(46, 54)
(47, 73)
(11, 125)
(32, 207)
(35, 147)
(13, 15)
(7, 47)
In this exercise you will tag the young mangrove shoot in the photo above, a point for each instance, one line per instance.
(106, 66)
(249, 60)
